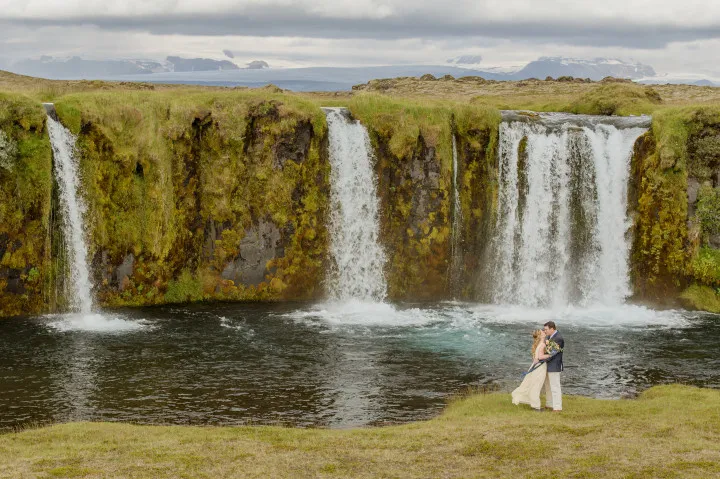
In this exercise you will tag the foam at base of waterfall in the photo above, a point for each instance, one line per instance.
(470, 317)
(101, 323)
(364, 313)
(588, 317)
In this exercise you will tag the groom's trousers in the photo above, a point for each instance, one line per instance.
(553, 393)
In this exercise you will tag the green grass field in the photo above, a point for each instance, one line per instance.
(669, 431)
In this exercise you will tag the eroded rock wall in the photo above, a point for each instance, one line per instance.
(212, 197)
(25, 203)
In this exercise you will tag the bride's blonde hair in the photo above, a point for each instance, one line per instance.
(537, 334)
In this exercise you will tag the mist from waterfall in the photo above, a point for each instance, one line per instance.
(78, 284)
(358, 258)
(562, 228)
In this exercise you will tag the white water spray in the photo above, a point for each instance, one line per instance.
(562, 231)
(354, 223)
(78, 282)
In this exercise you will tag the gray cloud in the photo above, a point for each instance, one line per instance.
(295, 21)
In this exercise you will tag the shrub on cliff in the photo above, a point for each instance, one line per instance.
(8, 152)
(708, 209)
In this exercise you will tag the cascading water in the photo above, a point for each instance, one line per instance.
(78, 282)
(354, 223)
(456, 250)
(562, 230)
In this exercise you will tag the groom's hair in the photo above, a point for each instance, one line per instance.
(550, 324)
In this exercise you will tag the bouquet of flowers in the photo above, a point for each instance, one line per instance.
(552, 348)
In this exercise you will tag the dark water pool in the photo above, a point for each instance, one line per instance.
(336, 366)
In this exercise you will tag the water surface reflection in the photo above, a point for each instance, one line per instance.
(322, 365)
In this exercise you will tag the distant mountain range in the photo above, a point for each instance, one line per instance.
(78, 68)
(595, 69)
(205, 71)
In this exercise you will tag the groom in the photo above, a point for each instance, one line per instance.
(553, 393)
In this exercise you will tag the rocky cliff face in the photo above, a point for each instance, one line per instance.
(674, 189)
(25, 205)
(216, 197)
(224, 196)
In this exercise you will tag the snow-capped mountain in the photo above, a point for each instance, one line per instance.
(595, 69)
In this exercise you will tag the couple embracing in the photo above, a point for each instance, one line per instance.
(547, 364)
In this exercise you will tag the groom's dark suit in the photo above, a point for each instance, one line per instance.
(555, 363)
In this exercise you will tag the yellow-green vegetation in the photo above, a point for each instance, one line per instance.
(25, 201)
(669, 431)
(684, 143)
(542, 95)
(177, 179)
(412, 140)
(412, 144)
(701, 297)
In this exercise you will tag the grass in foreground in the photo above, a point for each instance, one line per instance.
(669, 431)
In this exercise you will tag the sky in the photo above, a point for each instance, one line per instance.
(674, 37)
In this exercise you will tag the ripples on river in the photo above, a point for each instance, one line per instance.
(328, 365)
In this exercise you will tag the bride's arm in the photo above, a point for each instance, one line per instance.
(540, 352)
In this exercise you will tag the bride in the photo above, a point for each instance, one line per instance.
(529, 390)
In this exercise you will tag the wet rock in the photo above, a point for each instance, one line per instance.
(125, 271)
(3, 244)
(294, 146)
(692, 192)
(260, 244)
(14, 283)
(714, 241)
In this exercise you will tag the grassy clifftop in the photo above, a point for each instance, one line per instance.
(182, 181)
(669, 431)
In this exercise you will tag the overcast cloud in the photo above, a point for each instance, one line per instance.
(671, 36)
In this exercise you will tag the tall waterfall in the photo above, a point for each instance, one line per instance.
(78, 283)
(354, 224)
(562, 230)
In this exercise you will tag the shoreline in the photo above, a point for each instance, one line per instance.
(667, 430)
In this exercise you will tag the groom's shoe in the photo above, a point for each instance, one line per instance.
(537, 410)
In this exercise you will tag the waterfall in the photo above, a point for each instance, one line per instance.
(456, 250)
(354, 223)
(561, 235)
(78, 283)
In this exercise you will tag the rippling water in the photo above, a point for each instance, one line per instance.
(335, 365)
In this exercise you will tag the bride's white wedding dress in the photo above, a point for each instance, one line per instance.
(529, 390)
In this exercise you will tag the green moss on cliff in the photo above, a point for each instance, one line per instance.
(476, 129)
(176, 181)
(413, 145)
(25, 199)
(660, 256)
(702, 298)
(667, 255)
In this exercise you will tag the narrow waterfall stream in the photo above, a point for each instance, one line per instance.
(354, 223)
(78, 283)
(562, 230)
(457, 218)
